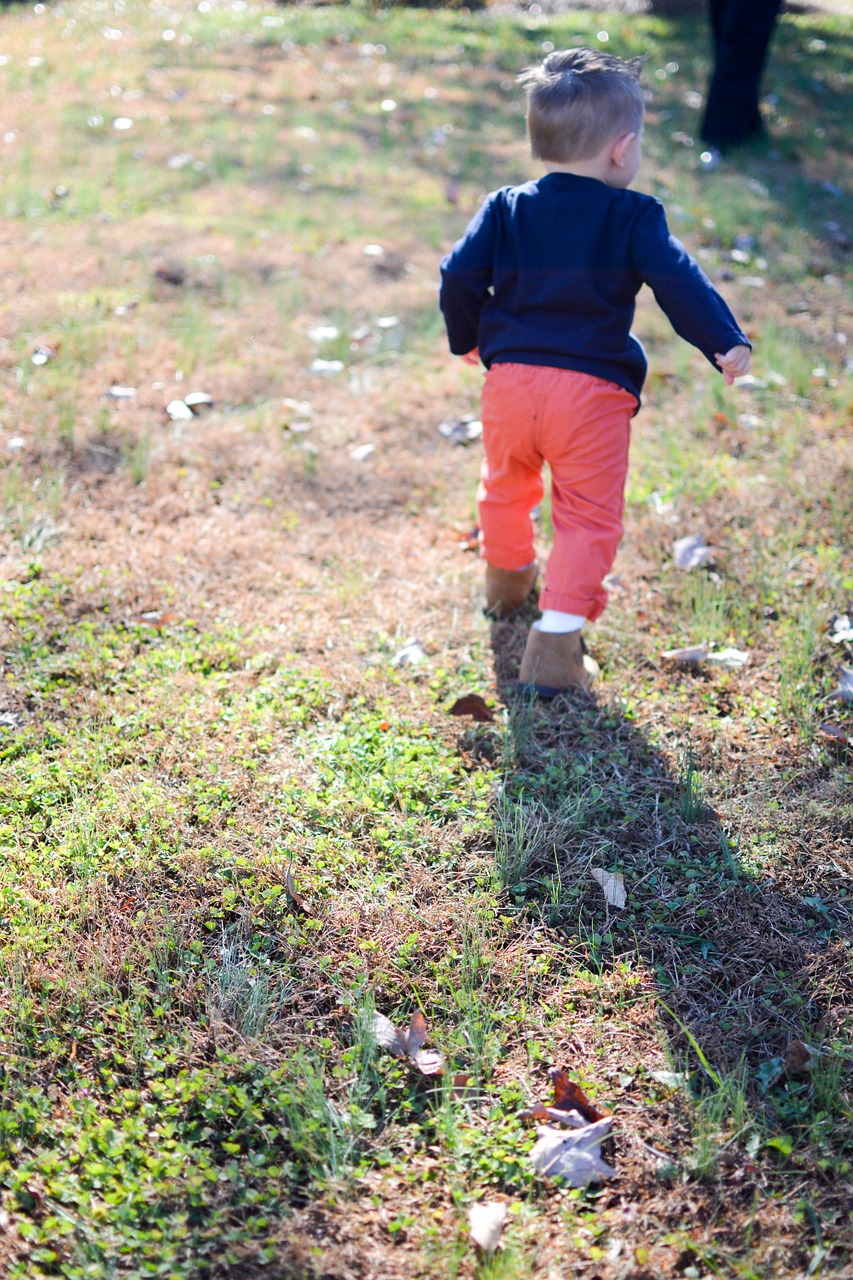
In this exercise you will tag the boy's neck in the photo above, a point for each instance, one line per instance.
(593, 168)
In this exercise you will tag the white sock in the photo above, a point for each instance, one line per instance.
(554, 621)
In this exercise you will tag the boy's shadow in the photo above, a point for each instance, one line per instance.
(742, 963)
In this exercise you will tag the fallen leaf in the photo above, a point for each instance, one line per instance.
(461, 431)
(428, 1061)
(301, 408)
(171, 274)
(672, 1079)
(691, 552)
(327, 368)
(121, 393)
(41, 355)
(408, 1043)
(486, 1221)
(841, 631)
(462, 1089)
(386, 1035)
(574, 1156)
(155, 618)
(410, 655)
(845, 684)
(417, 1033)
(570, 1119)
(323, 333)
(474, 706)
(612, 884)
(179, 411)
(361, 452)
(569, 1096)
(467, 540)
(800, 1058)
(690, 657)
(295, 898)
(729, 659)
(198, 400)
(835, 733)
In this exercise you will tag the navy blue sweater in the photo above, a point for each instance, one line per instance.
(548, 273)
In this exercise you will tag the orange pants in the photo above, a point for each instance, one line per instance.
(580, 426)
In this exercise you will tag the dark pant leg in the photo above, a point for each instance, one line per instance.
(742, 31)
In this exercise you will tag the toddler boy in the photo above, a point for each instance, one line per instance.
(542, 289)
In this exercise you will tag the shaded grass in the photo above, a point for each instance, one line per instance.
(189, 1084)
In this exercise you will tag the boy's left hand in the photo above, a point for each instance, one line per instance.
(734, 363)
(472, 356)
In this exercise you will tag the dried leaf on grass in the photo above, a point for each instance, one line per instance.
(575, 1156)
(198, 400)
(572, 1107)
(486, 1221)
(408, 1044)
(841, 631)
(569, 1119)
(474, 706)
(612, 885)
(800, 1058)
(42, 355)
(297, 899)
(462, 1089)
(845, 684)
(172, 273)
(695, 655)
(410, 655)
(691, 552)
(729, 659)
(568, 1095)
(835, 733)
(462, 431)
(690, 657)
(157, 618)
(672, 1079)
(467, 539)
(326, 368)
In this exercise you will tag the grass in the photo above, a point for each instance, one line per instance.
(235, 824)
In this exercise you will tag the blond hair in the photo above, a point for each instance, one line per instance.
(577, 100)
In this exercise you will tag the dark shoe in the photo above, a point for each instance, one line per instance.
(507, 589)
(554, 662)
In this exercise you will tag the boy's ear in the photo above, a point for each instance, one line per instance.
(620, 146)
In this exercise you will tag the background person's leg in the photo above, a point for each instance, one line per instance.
(742, 31)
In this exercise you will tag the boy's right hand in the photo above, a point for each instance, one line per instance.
(734, 363)
(472, 357)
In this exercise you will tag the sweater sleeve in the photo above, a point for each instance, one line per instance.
(466, 280)
(684, 293)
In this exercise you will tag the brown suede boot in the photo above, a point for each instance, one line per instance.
(554, 662)
(507, 589)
